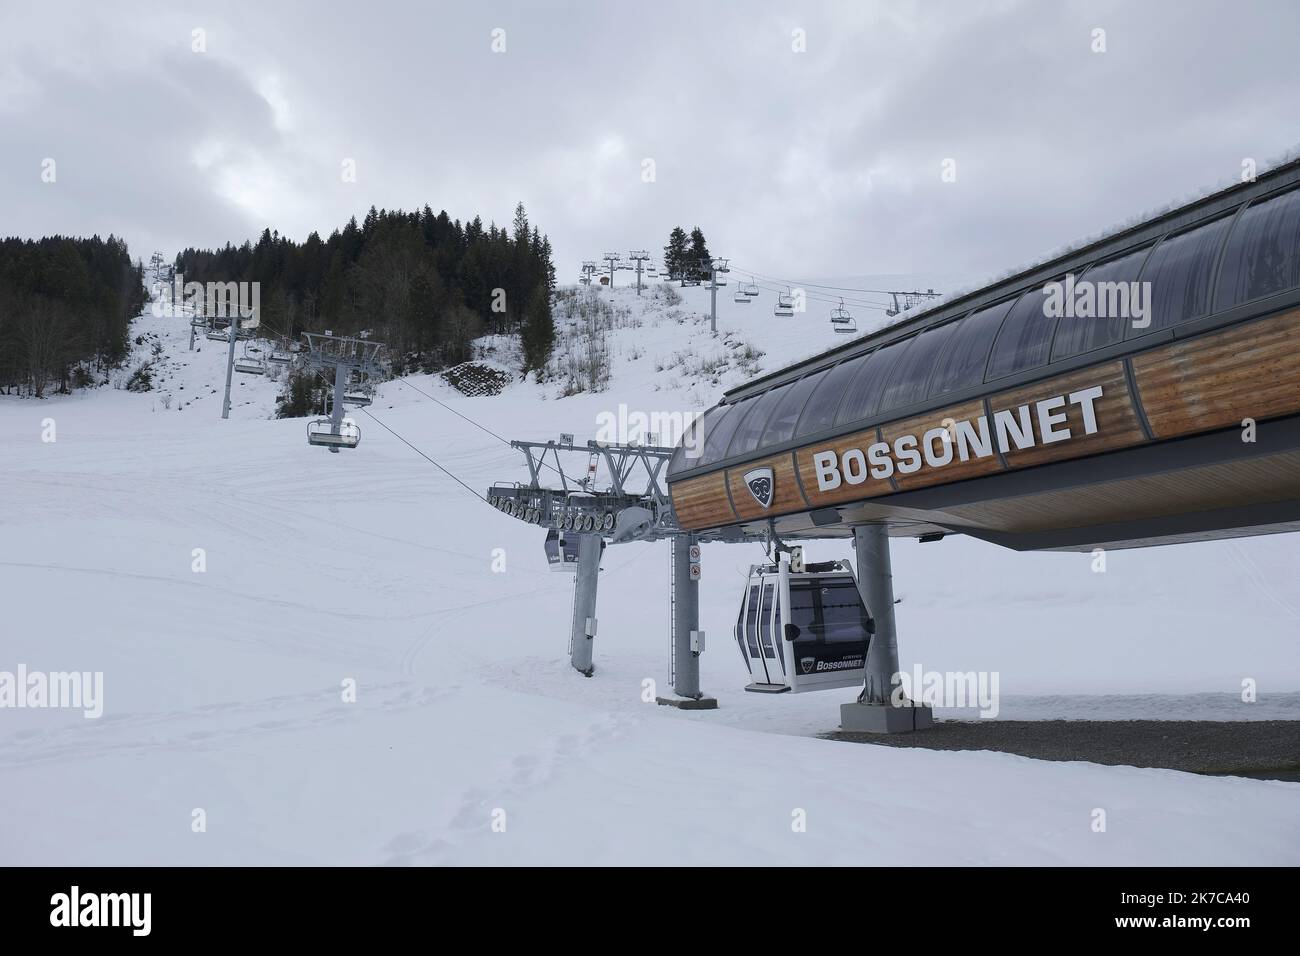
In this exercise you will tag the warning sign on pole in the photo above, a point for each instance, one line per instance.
(695, 572)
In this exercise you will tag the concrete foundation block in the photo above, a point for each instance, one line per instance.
(688, 703)
(885, 718)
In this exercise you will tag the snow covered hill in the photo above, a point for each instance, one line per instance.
(224, 689)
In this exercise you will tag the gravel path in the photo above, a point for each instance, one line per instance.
(1264, 748)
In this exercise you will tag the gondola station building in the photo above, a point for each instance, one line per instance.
(1142, 389)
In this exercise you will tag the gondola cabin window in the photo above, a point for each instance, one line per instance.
(829, 612)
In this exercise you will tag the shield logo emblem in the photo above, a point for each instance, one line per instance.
(806, 664)
(760, 485)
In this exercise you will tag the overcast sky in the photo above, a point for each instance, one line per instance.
(796, 164)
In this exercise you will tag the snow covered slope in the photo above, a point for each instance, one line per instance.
(223, 690)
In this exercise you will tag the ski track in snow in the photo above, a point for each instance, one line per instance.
(211, 726)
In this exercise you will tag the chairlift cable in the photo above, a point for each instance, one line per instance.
(444, 405)
(414, 449)
(818, 285)
(782, 289)
(425, 457)
(436, 401)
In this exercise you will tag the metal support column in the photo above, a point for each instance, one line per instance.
(230, 361)
(713, 300)
(341, 376)
(874, 711)
(686, 619)
(687, 638)
(876, 582)
(582, 634)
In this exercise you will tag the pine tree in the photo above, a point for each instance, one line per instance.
(521, 230)
(538, 336)
(675, 252)
(700, 263)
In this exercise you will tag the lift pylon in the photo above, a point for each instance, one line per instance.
(346, 357)
(611, 493)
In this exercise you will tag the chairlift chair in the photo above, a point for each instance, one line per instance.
(249, 363)
(360, 397)
(740, 298)
(805, 630)
(784, 305)
(320, 431)
(749, 288)
(842, 319)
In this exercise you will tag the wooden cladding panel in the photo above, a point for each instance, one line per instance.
(1215, 381)
(785, 489)
(845, 492)
(702, 502)
(956, 470)
(1198, 385)
(1117, 421)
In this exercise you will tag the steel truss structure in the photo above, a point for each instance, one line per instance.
(632, 479)
(630, 503)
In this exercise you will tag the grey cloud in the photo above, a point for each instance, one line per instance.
(820, 163)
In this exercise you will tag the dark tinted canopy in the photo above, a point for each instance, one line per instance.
(751, 428)
(1256, 251)
(780, 424)
(1078, 334)
(1180, 271)
(910, 380)
(862, 399)
(1026, 336)
(819, 413)
(719, 437)
(962, 363)
(690, 449)
(1263, 253)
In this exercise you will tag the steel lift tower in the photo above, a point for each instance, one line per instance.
(612, 259)
(639, 256)
(714, 267)
(632, 504)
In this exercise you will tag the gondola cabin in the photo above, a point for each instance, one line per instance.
(561, 555)
(802, 630)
